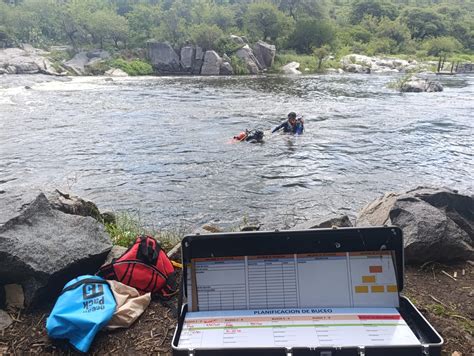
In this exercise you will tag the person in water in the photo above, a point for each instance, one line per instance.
(292, 125)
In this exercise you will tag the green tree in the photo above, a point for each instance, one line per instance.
(441, 46)
(299, 9)
(395, 31)
(375, 8)
(320, 53)
(424, 23)
(309, 34)
(206, 36)
(105, 25)
(264, 21)
(142, 20)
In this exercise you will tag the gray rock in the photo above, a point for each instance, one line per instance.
(246, 53)
(291, 68)
(329, 222)
(5, 320)
(238, 40)
(265, 53)
(43, 248)
(74, 205)
(418, 85)
(356, 68)
(115, 252)
(198, 60)
(163, 57)
(212, 63)
(25, 61)
(437, 223)
(98, 53)
(77, 63)
(207, 229)
(116, 72)
(226, 69)
(11, 69)
(187, 58)
(14, 296)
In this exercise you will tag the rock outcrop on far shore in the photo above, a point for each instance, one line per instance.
(196, 60)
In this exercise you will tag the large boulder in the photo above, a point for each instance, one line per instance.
(246, 53)
(437, 224)
(226, 69)
(265, 53)
(188, 54)
(291, 68)
(163, 57)
(78, 63)
(198, 60)
(42, 248)
(418, 85)
(212, 63)
(25, 61)
(238, 40)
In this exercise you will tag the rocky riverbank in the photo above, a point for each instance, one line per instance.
(240, 57)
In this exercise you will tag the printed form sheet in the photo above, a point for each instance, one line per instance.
(303, 327)
(347, 279)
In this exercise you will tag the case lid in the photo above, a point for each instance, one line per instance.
(387, 241)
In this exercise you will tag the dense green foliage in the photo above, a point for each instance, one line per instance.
(416, 27)
(135, 67)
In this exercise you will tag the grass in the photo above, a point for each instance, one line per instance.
(305, 61)
(128, 226)
(134, 67)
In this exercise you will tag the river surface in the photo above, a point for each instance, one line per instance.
(159, 146)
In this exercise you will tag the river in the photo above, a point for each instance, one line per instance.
(158, 147)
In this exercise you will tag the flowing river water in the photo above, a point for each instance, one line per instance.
(159, 146)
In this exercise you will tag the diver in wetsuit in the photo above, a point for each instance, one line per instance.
(292, 125)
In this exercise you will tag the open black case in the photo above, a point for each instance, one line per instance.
(372, 240)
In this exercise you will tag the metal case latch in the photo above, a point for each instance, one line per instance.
(425, 350)
(361, 350)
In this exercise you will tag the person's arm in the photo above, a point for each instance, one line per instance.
(278, 127)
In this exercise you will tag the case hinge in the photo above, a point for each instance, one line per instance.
(190, 352)
(425, 350)
(361, 350)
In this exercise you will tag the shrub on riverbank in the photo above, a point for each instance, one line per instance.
(128, 226)
(134, 67)
(308, 63)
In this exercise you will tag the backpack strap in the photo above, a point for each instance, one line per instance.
(107, 271)
(148, 250)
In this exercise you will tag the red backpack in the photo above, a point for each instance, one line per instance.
(144, 266)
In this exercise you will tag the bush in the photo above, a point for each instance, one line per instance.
(135, 67)
(239, 65)
(206, 36)
(442, 45)
(305, 61)
(381, 46)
